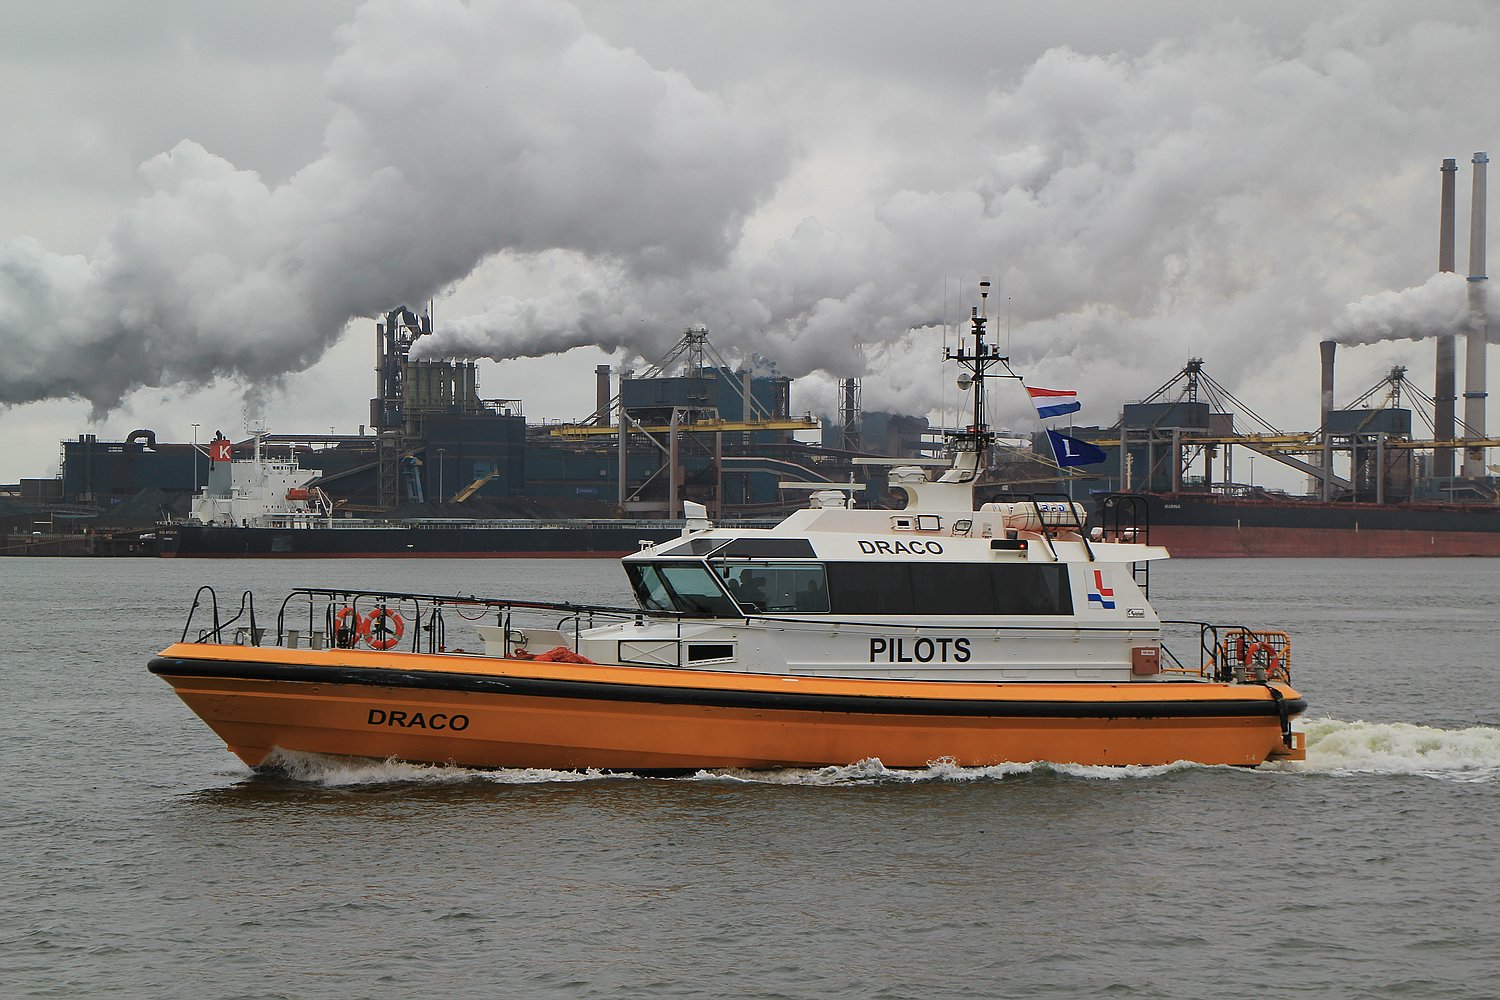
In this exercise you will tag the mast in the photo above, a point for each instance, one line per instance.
(971, 446)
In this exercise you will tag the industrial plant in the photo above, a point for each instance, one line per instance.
(689, 427)
(693, 427)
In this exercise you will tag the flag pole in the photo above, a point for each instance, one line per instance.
(1070, 471)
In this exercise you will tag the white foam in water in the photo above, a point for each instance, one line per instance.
(1115, 773)
(861, 772)
(1336, 747)
(330, 771)
(872, 771)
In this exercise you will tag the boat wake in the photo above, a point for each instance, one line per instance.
(337, 772)
(1335, 748)
(1353, 748)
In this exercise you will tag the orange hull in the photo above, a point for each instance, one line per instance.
(481, 712)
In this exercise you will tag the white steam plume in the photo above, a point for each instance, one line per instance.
(1223, 195)
(1438, 307)
(461, 130)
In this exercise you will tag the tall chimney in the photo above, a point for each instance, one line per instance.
(622, 445)
(1445, 392)
(1326, 348)
(1475, 343)
(601, 395)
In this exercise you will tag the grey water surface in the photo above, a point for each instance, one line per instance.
(139, 859)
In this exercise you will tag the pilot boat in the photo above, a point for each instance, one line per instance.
(959, 629)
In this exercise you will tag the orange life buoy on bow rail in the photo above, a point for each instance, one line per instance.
(389, 634)
(1273, 658)
(353, 630)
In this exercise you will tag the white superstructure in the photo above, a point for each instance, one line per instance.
(259, 492)
(944, 589)
(961, 595)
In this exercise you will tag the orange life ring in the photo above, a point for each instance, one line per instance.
(359, 628)
(1273, 659)
(376, 624)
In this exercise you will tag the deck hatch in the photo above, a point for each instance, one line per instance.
(649, 652)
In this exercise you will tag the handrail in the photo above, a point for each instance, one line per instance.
(424, 612)
(427, 619)
(215, 631)
(472, 601)
(246, 609)
(1114, 510)
(1219, 665)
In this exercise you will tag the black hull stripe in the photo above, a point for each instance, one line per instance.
(706, 697)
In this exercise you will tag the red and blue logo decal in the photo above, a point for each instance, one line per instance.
(1100, 594)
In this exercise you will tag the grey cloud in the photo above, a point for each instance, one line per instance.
(1230, 191)
(1228, 194)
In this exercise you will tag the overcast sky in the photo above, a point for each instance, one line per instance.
(205, 205)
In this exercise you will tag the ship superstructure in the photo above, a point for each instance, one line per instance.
(258, 491)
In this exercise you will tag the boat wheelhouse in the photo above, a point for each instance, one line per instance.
(876, 594)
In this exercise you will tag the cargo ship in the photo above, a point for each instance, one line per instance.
(268, 507)
(1203, 525)
(359, 538)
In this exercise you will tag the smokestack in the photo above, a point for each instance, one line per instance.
(1326, 348)
(1475, 342)
(1445, 215)
(849, 418)
(601, 395)
(1445, 391)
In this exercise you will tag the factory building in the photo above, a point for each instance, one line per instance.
(694, 427)
(106, 472)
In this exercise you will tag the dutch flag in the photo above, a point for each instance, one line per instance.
(1054, 402)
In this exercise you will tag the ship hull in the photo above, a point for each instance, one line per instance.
(552, 540)
(1208, 542)
(1196, 526)
(494, 713)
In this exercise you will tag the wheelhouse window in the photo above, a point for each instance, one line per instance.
(775, 587)
(948, 589)
(687, 587)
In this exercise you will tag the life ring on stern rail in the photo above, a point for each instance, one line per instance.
(375, 625)
(1273, 658)
(360, 626)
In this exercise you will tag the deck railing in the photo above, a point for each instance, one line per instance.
(1228, 652)
(324, 617)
